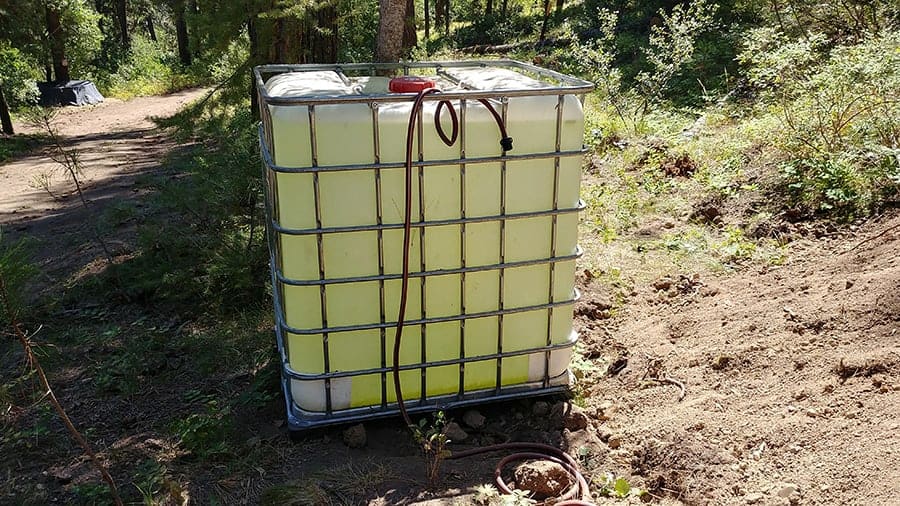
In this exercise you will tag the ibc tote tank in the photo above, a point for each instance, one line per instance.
(493, 241)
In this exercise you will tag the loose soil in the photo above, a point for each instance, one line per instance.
(790, 375)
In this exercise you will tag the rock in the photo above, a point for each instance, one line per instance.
(720, 362)
(455, 433)
(788, 489)
(355, 436)
(849, 284)
(708, 291)
(473, 419)
(543, 478)
(753, 498)
(606, 410)
(614, 442)
(540, 408)
(569, 416)
(604, 433)
(663, 284)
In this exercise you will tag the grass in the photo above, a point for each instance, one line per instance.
(14, 146)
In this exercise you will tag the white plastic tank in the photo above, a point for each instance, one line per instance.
(505, 230)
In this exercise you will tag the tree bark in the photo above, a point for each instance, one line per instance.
(438, 14)
(320, 37)
(409, 27)
(5, 119)
(122, 19)
(446, 17)
(559, 8)
(57, 47)
(427, 23)
(151, 30)
(489, 7)
(181, 36)
(546, 18)
(389, 42)
(503, 6)
(254, 60)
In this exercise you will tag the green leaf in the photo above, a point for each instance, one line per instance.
(622, 487)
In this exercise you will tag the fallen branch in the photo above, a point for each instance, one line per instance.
(672, 381)
(33, 363)
(876, 236)
(506, 48)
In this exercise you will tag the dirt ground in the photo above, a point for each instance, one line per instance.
(117, 142)
(790, 375)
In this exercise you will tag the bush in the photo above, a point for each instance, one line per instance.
(840, 111)
(148, 69)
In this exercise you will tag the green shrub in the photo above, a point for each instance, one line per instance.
(148, 69)
(840, 112)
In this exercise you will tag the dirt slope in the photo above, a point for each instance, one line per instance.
(792, 379)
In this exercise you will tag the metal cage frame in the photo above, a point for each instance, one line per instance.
(558, 84)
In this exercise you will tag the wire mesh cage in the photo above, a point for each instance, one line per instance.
(494, 234)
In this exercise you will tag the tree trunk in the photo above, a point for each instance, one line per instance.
(57, 47)
(254, 60)
(181, 36)
(409, 27)
(503, 6)
(439, 14)
(446, 17)
(427, 23)
(389, 42)
(320, 37)
(151, 30)
(559, 8)
(489, 7)
(546, 18)
(5, 119)
(122, 19)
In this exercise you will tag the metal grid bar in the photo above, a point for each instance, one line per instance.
(462, 247)
(553, 235)
(267, 157)
(425, 224)
(462, 270)
(568, 84)
(320, 251)
(502, 271)
(376, 156)
(436, 363)
(433, 319)
(423, 375)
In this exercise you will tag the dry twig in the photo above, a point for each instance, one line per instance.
(35, 365)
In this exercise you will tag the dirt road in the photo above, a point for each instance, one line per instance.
(116, 142)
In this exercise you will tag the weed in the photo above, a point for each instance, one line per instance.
(17, 145)
(586, 372)
(433, 441)
(488, 495)
(205, 434)
(91, 494)
(611, 486)
(342, 485)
